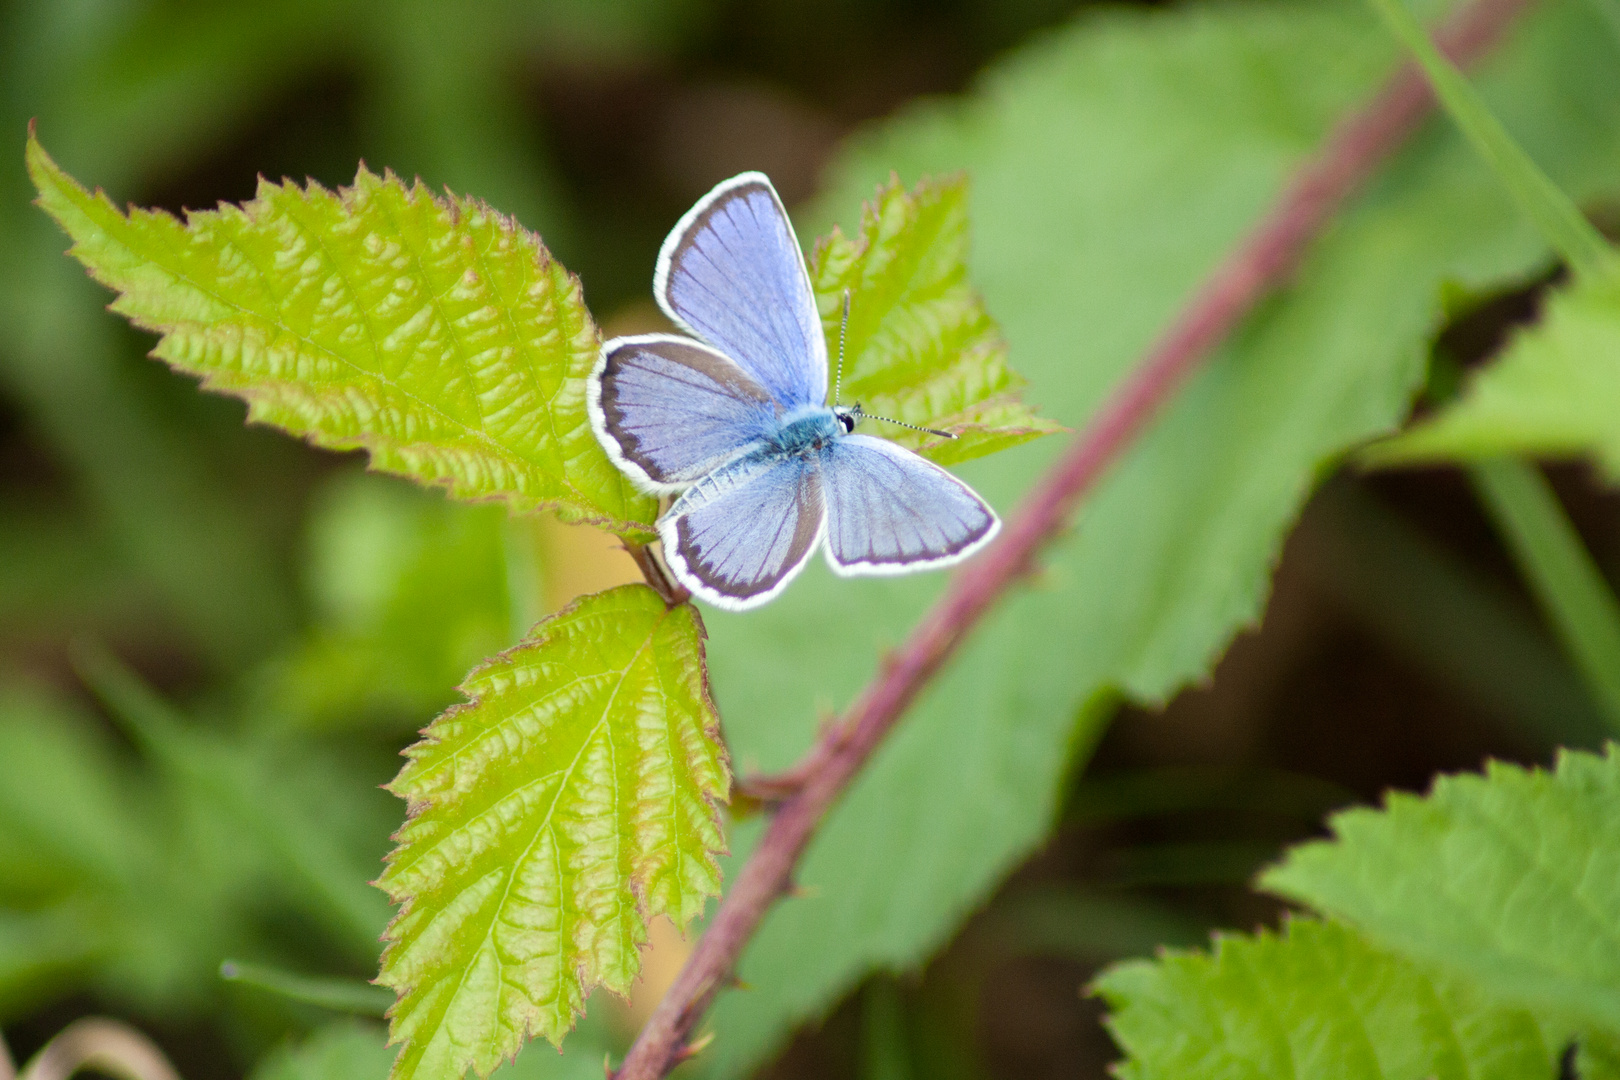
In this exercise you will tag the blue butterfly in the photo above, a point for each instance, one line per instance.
(735, 420)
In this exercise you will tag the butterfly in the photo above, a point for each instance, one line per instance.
(734, 422)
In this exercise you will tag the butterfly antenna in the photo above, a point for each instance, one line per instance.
(843, 330)
(902, 423)
(838, 384)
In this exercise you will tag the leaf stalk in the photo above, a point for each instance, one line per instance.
(1559, 570)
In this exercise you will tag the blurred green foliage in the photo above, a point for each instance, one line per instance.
(310, 618)
(407, 592)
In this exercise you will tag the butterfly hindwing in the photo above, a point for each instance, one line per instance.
(739, 535)
(891, 512)
(670, 410)
(737, 423)
(732, 273)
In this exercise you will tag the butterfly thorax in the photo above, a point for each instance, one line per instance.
(808, 430)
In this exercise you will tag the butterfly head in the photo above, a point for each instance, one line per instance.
(850, 415)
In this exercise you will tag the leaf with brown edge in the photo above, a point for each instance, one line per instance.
(435, 333)
(920, 346)
(574, 797)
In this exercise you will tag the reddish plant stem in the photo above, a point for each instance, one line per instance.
(1350, 155)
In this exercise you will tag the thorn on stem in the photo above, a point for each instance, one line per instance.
(771, 790)
(694, 1048)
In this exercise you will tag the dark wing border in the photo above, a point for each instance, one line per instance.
(596, 411)
(894, 568)
(675, 553)
(698, 216)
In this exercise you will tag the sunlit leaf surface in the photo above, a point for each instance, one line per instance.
(920, 346)
(1511, 879)
(1315, 1001)
(570, 800)
(435, 333)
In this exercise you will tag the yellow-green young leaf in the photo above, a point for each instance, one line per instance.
(435, 333)
(1510, 880)
(1554, 391)
(1316, 1001)
(920, 346)
(574, 797)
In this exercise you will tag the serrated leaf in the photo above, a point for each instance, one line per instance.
(1315, 1001)
(573, 798)
(1511, 880)
(1114, 161)
(435, 333)
(1554, 391)
(920, 346)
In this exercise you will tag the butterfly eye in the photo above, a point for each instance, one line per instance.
(847, 420)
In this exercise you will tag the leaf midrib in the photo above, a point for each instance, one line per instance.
(476, 435)
(540, 829)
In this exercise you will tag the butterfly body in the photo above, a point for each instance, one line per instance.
(809, 431)
(734, 421)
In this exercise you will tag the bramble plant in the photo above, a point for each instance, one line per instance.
(579, 791)
(577, 794)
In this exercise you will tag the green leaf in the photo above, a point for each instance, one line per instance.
(1113, 163)
(1609, 10)
(920, 347)
(1510, 880)
(573, 798)
(436, 334)
(1553, 392)
(1314, 1001)
(1559, 219)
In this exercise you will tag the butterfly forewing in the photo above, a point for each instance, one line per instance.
(890, 511)
(738, 423)
(732, 273)
(737, 537)
(671, 410)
